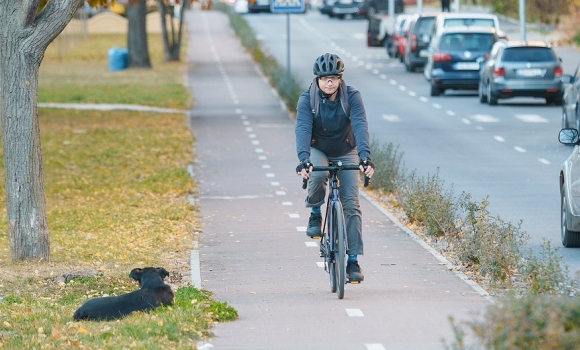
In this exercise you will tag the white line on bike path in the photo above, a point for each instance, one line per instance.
(354, 312)
(375, 347)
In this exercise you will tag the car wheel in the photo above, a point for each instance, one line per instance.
(492, 100)
(570, 239)
(435, 91)
(481, 93)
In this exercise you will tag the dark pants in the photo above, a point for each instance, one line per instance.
(445, 5)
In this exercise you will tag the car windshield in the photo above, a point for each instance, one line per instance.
(425, 25)
(480, 22)
(528, 54)
(466, 41)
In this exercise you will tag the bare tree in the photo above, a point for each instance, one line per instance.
(138, 55)
(171, 37)
(28, 27)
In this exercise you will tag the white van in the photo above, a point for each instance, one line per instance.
(455, 19)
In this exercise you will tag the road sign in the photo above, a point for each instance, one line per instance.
(287, 6)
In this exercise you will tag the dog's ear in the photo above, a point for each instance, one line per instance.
(136, 274)
(162, 272)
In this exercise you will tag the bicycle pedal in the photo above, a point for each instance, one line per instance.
(353, 282)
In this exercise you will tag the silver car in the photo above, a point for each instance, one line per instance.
(570, 190)
(521, 68)
(571, 104)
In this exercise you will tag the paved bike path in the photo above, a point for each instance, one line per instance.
(253, 251)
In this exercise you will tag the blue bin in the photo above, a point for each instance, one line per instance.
(117, 58)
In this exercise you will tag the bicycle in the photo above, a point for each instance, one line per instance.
(333, 243)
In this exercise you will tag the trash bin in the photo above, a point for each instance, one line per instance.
(117, 58)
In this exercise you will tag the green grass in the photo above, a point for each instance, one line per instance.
(117, 191)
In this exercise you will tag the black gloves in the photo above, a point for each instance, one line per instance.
(304, 164)
(366, 162)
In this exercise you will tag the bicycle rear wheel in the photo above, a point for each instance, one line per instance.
(339, 252)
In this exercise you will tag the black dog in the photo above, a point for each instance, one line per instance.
(153, 293)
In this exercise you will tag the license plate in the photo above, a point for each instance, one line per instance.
(530, 72)
(467, 66)
(423, 53)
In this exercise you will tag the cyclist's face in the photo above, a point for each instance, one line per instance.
(329, 84)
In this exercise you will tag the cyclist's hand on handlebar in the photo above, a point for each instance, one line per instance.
(303, 168)
(367, 166)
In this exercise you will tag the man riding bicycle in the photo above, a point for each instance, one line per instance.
(331, 126)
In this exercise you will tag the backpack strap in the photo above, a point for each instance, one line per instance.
(314, 100)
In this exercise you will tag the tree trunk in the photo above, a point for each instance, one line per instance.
(138, 55)
(25, 34)
(171, 40)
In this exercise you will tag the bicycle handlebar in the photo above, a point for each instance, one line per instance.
(335, 168)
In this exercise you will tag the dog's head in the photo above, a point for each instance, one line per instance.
(149, 277)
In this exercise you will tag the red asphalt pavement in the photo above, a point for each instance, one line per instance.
(253, 251)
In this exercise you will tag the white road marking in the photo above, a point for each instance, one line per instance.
(544, 161)
(311, 244)
(245, 122)
(320, 263)
(238, 111)
(281, 193)
(255, 142)
(499, 138)
(262, 157)
(270, 175)
(423, 99)
(294, 216)
(393, 82)
(484, 118)
(275, 183)
(301, 228)
(531, 118)
(383, 76)
(252, 136)
(286, 203)
(520, 149)
(249, 129)
(436, 105)
(412, 93)
(466, 121)
(259, 150)
(391, 118)
(451, 113)
(266, 166)
(402, 88)
(375, 347)
(354, 312)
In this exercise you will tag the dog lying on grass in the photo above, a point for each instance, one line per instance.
(153, 292)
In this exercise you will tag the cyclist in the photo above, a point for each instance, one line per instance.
(331, 125)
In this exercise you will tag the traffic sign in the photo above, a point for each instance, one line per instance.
(287, 6)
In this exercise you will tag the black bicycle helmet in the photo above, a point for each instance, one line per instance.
(328, 64)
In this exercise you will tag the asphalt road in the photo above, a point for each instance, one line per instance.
(508, 153)
(253, 251)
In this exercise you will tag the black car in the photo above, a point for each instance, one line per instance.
(372, 7)
(456, 56)
(418, 40)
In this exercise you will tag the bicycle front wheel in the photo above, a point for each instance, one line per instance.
(339, 234)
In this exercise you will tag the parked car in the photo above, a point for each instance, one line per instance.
(402, 40)
(571, 100)
(569, 189)
(418, 40)
(455, 58)
(258, 6)
(326, 7)
(372, 7)
(456, 19)
(398, 35)
(521, 68)
(342, 8)
(383, 30)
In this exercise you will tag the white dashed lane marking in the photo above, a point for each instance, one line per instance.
(531, 118)
(286, 203)
(354, 312)
(520, 149)
(499, 138)
(294, 216)
(311, 244)
(375, 347)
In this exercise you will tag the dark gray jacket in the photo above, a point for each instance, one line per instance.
(331, 131)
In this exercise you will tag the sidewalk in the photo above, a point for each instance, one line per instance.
(253, 250)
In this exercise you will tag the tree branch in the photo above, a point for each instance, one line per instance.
(29, 9)
(53, 18)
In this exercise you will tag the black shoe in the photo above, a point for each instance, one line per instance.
(353, 272)
(314, 223)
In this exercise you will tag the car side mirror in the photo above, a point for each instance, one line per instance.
(568, 136)
(566, 79)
